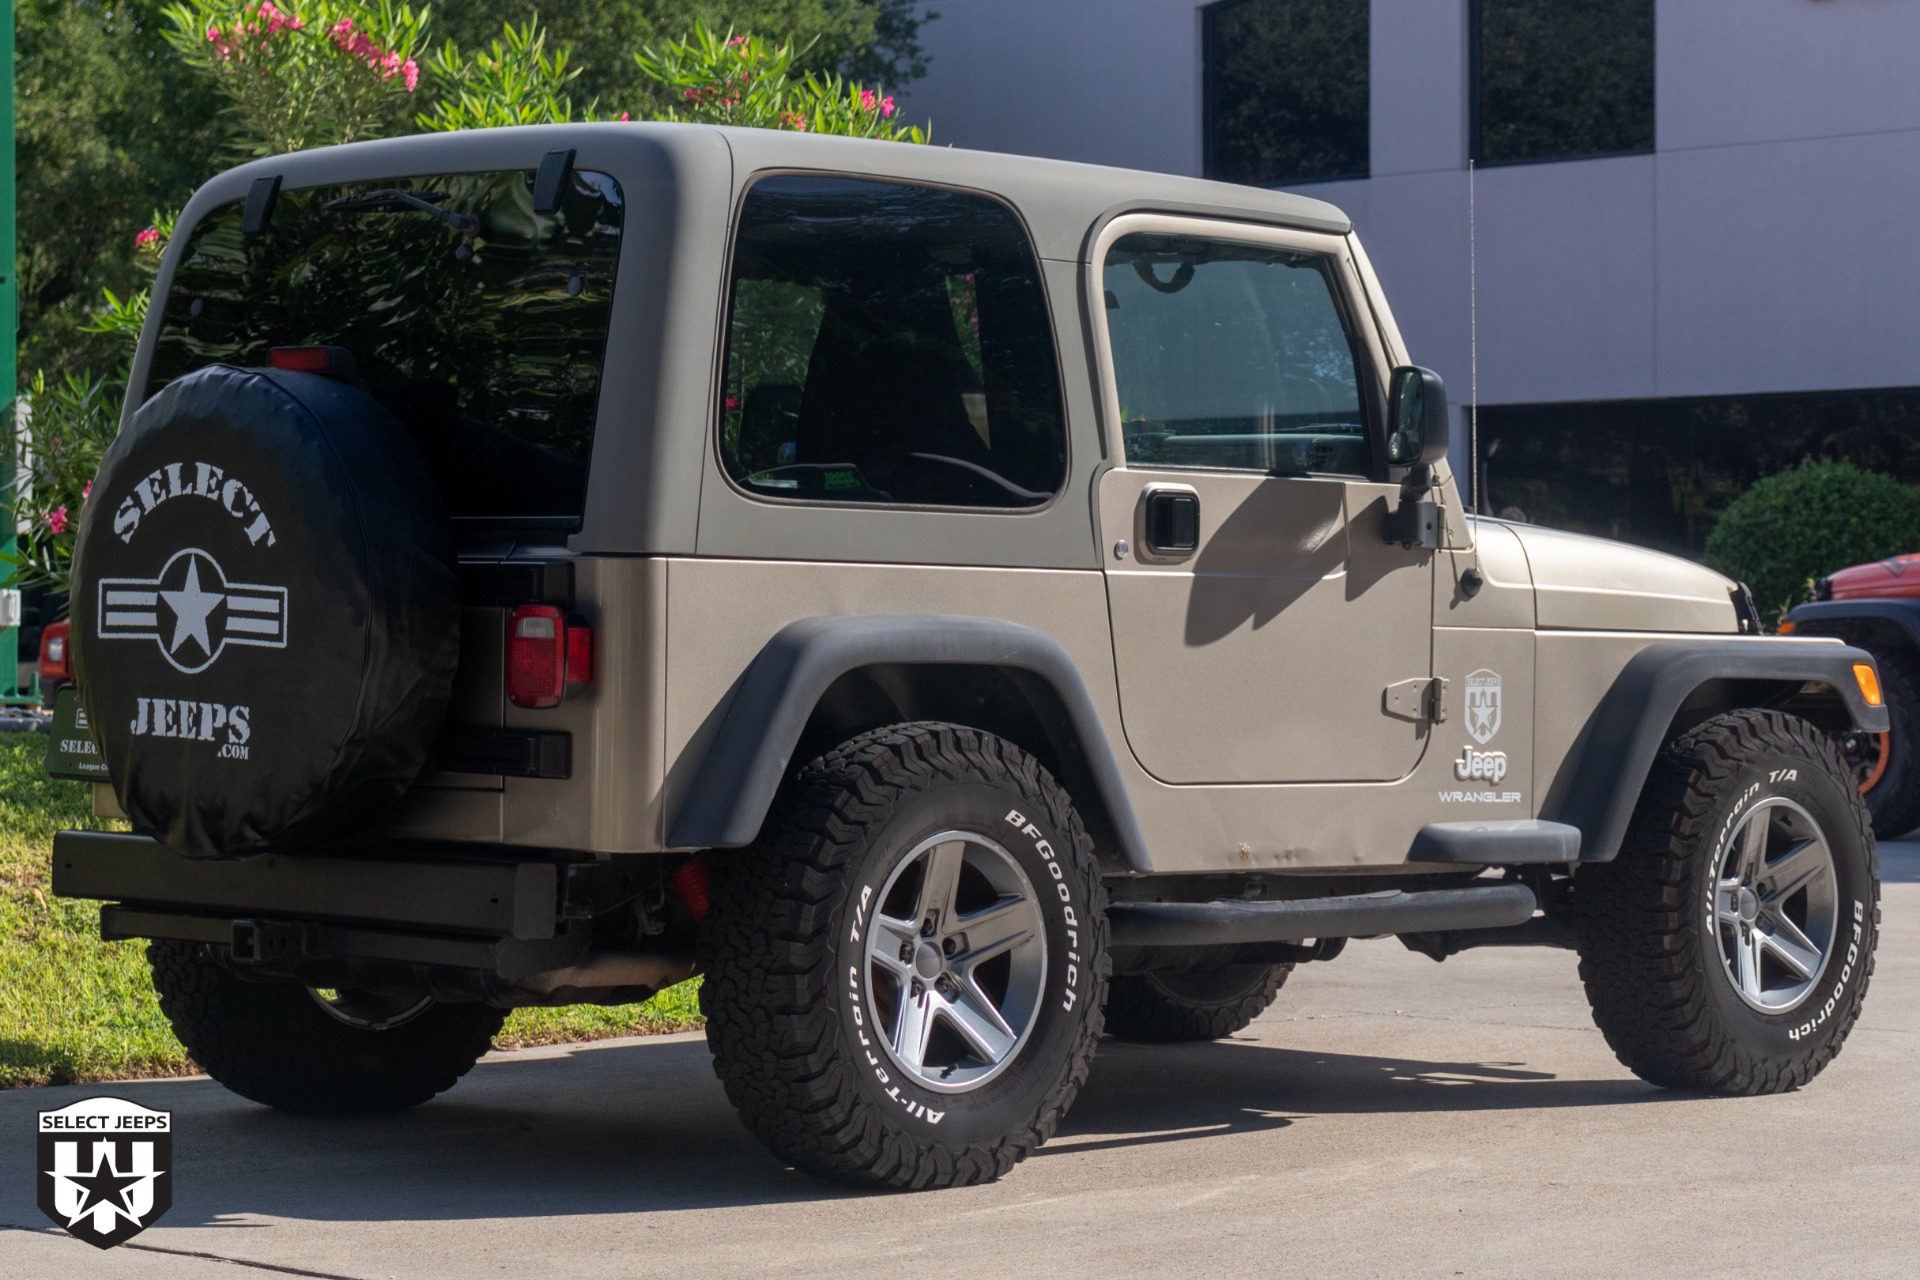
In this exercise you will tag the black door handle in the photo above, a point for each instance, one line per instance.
(1172, 523)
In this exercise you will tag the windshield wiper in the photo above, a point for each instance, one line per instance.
(390, 200)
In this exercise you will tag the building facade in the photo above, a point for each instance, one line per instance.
(1688, 241)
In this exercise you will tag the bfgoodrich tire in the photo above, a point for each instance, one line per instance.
(1200, 1005)
(287, 1046)
(905, 974)
(1727, 949)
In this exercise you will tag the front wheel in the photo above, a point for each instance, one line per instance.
(1727, 949)
(905, 974)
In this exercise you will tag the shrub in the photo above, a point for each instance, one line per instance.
(1791, 528)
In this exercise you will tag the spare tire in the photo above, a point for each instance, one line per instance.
(266, 617)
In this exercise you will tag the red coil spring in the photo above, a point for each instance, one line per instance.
(690, 881)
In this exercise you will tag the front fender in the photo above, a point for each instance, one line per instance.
(749, 757)
(1600, 781)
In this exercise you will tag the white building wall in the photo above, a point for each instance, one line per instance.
(1771, 244)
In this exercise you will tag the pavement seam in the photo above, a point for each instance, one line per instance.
(274, 1267)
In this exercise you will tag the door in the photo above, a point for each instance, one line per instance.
(1264, 628)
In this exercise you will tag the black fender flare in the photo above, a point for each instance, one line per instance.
(728, 798)
(1599, 782)
(1836, 617)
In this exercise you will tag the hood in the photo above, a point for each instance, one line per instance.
(1591, 584)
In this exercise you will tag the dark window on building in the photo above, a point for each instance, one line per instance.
(1557, 79)
(1234, 355)
(1285, 90)
(491, 357)
(1660, 472)
(889, 343)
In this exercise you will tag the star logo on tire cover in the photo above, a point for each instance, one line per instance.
(192, 612)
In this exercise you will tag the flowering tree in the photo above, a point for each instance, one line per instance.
(304, 73)
(745, 80)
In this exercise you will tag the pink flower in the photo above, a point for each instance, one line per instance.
(866, 99)
(886, 106)
(411, 70)
(57, 520)
(87, 492)
(625, 116)
(147, 239)
(733, 402)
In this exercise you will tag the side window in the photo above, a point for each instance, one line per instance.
(1232, 355)
(889, 343)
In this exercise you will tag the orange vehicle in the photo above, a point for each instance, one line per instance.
(1877, 607)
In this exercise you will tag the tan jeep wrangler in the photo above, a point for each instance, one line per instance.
(957, 604)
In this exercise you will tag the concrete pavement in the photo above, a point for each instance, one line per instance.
(1390, 1117)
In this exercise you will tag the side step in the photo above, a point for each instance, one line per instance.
(1207, 924)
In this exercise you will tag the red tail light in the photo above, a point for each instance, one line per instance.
(329, 362)
(546, 655)
(54, 662)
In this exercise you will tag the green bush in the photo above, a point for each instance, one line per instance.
(1791, 528)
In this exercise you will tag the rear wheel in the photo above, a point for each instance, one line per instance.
(905, 974)
(1208, 1004)
(324, 1052)
(1728, 947)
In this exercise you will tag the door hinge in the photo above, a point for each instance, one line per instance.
(1421, 699)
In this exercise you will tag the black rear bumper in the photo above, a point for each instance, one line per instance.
(512, 914)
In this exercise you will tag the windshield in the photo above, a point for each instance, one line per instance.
(481, 324)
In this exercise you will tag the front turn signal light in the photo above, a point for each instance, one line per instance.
(1869, 681)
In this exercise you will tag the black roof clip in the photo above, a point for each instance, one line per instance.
(261, 197)
(550, 180)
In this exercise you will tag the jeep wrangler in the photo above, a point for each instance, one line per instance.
(957, 604)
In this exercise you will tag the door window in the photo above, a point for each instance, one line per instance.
(889, 343)
(1233, 355)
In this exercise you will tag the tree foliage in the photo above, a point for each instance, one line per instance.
(1798, 525)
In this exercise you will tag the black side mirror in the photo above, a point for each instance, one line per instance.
(1417, 427)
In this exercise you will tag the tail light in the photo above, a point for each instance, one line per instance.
(547, 655)
(53, 653)
(329, 362)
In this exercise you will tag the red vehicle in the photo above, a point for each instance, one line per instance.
(56, 665)
(1877, 608)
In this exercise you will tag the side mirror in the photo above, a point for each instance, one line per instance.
(1417, 427)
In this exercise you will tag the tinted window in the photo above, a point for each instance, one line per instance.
(488, 347)
(1286, 90)
(1560, 78)
(889, 343)
(1232, 355)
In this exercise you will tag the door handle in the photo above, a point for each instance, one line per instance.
(1170, 522)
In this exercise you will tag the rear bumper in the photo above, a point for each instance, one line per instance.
(508, 916)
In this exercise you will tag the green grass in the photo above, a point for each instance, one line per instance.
(75, 1009)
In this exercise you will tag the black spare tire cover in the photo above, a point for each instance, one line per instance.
(265, 611)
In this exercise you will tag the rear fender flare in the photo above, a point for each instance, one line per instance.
(1599, 782)
(751, 753)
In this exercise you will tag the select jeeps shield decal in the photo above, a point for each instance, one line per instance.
(1483, 704)
(192, 612)
(105, 1168)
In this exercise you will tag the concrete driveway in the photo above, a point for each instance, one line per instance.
(1390, 1117)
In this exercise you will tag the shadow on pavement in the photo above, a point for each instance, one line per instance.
(1900, 861)
(642, 1127)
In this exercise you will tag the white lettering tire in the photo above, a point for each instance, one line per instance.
(905, 974)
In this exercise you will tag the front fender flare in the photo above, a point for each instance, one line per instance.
(1835, 617)
(748, 759)
(1599, 782)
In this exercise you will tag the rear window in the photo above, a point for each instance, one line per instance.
(487, 340)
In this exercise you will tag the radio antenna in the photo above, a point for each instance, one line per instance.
(1473, 345)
